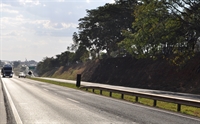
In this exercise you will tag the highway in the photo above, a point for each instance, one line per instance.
(164, 93)
(36, 102)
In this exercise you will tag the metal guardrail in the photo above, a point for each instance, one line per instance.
(155, 97)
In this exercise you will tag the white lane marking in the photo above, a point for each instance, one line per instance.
(14, 110)
(73, 100)
(46, 90)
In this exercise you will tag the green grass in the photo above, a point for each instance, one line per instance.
(167, 105)
(145, 101)
(191, 110)
(129, 98)
(56, 83)
(149, 102)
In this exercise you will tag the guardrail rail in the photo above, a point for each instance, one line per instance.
(155, 97)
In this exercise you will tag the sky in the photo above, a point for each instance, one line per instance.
(35, 29)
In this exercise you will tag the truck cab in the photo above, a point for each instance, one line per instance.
(7, 71)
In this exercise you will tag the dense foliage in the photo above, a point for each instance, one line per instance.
(101, 29)
(63, 59)
(142, 29)
(164, 27)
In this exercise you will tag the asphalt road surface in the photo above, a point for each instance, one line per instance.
(159, 92)
(37, 102)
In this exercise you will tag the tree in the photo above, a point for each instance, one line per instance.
(16, 64)
(188, 11)
(75, 39)
(65, 58)
(101, 28)
(162, 29)
(45, 66)
(152, 24)
(81, 55)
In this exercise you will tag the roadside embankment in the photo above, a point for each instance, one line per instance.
(143, 73)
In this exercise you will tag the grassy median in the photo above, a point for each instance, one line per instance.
(149, 102)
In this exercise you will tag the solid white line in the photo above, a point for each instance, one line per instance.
(73, 100)
(14, 110)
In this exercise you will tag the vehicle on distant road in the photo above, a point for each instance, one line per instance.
(7, 71)
(21, 74)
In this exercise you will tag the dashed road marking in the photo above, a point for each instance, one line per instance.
(73, 100)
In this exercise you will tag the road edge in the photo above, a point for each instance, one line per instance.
(12, 115)
(3, 117)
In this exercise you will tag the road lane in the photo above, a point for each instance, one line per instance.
(36, 105)
(39, 102)
(159, 92)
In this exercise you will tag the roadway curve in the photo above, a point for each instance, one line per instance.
(38, 102)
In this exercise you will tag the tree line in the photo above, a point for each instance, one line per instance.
(138, 28)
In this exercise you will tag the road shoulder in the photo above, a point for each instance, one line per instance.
(3, 116)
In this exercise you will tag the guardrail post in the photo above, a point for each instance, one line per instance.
(136, 98)
(110, 94)
(78, 80)
(93, 90)
(101, 92)
(122, 96)
(178, 107)
(154, 102)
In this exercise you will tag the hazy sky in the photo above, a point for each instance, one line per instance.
(34, 29)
